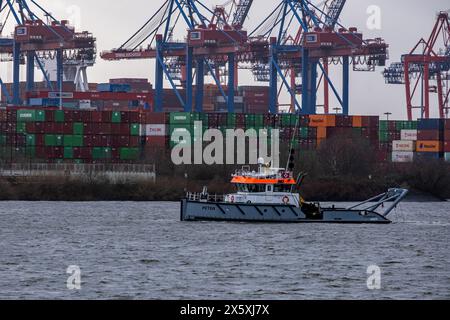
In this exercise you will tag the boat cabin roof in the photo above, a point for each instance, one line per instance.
(265, 175)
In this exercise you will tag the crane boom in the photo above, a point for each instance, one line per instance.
(242, 10)
(334, 12)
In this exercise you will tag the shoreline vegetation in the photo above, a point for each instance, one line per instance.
(341, 170)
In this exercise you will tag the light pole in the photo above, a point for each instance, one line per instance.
(388, 114)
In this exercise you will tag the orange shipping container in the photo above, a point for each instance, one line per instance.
(357, 122)
(321, 133)
(322, 120)
(429, 146)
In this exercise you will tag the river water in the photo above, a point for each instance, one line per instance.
(128, 250)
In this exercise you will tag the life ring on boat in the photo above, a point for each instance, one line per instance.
(285, 175)
(285, 199)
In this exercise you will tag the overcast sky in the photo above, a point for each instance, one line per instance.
(403, 23)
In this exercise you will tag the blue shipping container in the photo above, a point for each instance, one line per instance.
(430, 124)
(108, 87)
(428, 155)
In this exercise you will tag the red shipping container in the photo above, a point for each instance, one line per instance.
(68, 115)
(105, 141)
(87, 141)
(88, 128)
(77, 116)
(155, 118)
(124, 129)
(30, 127)
(447, 135)
(41, 152)
(370, 121)
(429, 135)
(115, 128)
(39, 127)
(134, 117)
(82, 153)
(40, 140)
(447, 146)
(447, 124)
(97, 141)
(156, 141)
(49, 128)
(135, 142)
(115, 141)
(96, 116)
(115, 153)
(68, 128)
(85, 116)
(124, 141)
(125, 117)
(106, 116)
(49, 115)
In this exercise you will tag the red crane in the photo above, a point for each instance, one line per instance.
(425, 71)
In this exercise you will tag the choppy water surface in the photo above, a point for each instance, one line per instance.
(142, 251)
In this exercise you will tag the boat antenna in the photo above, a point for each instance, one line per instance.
(291, 158)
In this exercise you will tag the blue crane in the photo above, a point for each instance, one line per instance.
(241, 13)
(32, 36)
(334, 12)
(319, 42)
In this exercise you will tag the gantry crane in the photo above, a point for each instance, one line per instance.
(38, 35)
(424, 65)
(319, 41)
(211, 42)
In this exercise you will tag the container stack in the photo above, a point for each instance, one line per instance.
(430, 139)
(70, 136)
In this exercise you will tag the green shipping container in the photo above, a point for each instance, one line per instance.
(231, 120)
(59, 140)
(384, 136)
(59, 116)
(177, 118)
(384, 126)
(26, 115)
(304, 133)
(116, 117)
(135, 129)
(68, 153)
(30, 152)
(21, 127)
(31, 140)
(3, 140)
(78, 128)
(101, 153)
(50, 140)
(73, 141)
(129, 153)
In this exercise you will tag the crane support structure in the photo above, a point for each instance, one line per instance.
(425, 70)
(33, 39)
(217, 40)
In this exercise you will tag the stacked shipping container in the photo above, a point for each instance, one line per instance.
(128, 136)
(74, 136)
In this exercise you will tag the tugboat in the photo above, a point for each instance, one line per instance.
(271, 195)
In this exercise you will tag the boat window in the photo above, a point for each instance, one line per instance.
(269, 188)
(255, 188)
(282, 188)
(242, 187)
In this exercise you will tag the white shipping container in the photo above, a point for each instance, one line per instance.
(409, 135)
(155, 130)
(405, 146)
(402, 157)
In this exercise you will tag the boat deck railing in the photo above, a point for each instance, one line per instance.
(201, 197)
